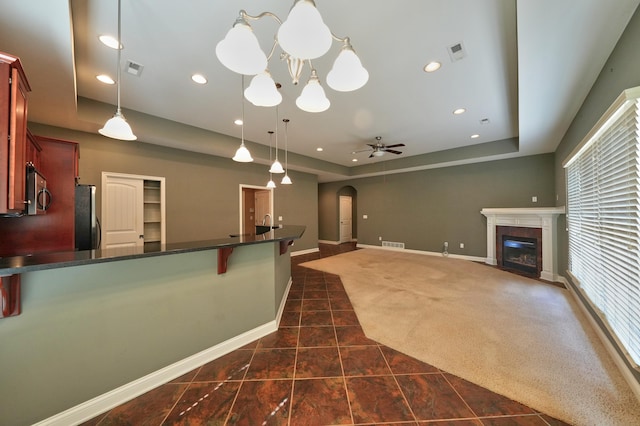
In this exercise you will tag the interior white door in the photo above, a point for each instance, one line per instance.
(123, 212)
(346, 229)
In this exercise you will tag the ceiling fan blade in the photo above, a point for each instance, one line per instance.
(372, 145)
(394, 146)
(393, 151)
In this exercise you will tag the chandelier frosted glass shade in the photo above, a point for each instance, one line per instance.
(118, 128)
(347, 73)
(286, 180)
(271, 184)
(304, 34)
(242, 154)
(276, 167)
(262, 91)
(240, 51)
(313, 98)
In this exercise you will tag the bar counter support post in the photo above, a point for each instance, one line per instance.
(10, 292)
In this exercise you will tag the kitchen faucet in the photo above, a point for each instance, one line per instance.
(264, 220)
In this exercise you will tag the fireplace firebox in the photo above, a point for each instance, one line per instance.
(519, 250)
(520, 254)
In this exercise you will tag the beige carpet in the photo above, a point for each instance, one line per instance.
(515, 336)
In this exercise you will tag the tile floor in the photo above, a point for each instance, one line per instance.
(320, 369)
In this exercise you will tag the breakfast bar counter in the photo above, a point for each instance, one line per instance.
(50, 260)
(96, 328)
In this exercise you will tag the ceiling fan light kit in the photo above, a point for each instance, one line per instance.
(379, 149)
(303, 36)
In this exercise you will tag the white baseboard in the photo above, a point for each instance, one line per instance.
(426, 253)
(283, 302)
(100, 404)
(308, 251)
(334, 243)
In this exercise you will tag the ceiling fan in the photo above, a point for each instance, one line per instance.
(378, 149)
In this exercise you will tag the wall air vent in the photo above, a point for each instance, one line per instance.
(133, 68)
(392, 244)
(456, 51)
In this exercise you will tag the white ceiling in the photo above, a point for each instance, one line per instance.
(529, 64)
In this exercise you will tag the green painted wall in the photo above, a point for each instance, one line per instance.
(621, 71)
(89, 329)
(425, 208)
(202, 191)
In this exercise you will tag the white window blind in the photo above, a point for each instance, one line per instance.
(603, 216)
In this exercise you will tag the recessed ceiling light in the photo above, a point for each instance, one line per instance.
(238, 122)
(476, 136)
(109, 41)
(199, 78)
(459, 111)
(355, 160)
(105, 79)
(319, 149)
(432, 66)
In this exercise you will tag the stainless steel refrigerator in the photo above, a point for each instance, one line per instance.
(87, 224)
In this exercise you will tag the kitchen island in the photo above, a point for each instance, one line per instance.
(99, 327)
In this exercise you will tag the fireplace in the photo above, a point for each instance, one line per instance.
(544, 219)
(519, 249)
(520, 254)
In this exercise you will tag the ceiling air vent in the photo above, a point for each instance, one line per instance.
(133, 68)
(456, 51)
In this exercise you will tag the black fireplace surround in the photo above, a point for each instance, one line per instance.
(519, 250)
(520, 253)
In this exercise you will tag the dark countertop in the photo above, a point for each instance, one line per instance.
(52, 260)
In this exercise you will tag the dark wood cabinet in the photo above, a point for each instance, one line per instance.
(13, 134)
(54, 230)
(32, 151)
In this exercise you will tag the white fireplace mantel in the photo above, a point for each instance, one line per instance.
(536, 217)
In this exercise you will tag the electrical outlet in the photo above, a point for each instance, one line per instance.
(364, 216)
(534, 199)
(379, 238)
(280, 218)
(446, 244)
(461, 245)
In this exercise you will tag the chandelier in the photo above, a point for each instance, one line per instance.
(303, 36)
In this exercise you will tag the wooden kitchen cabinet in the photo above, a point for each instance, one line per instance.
(32, 151)
(55, 230)
(13, 134)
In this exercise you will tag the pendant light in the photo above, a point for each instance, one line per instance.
(276, 167)
(117, 126)
(286, 180)
(242, 153)
(271, 184)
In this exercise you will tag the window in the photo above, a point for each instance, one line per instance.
(603, 217)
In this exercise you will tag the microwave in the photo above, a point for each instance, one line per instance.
(38, 197)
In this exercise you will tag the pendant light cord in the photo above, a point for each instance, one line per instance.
(286, 145)
(119, 51)
(242, 98)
